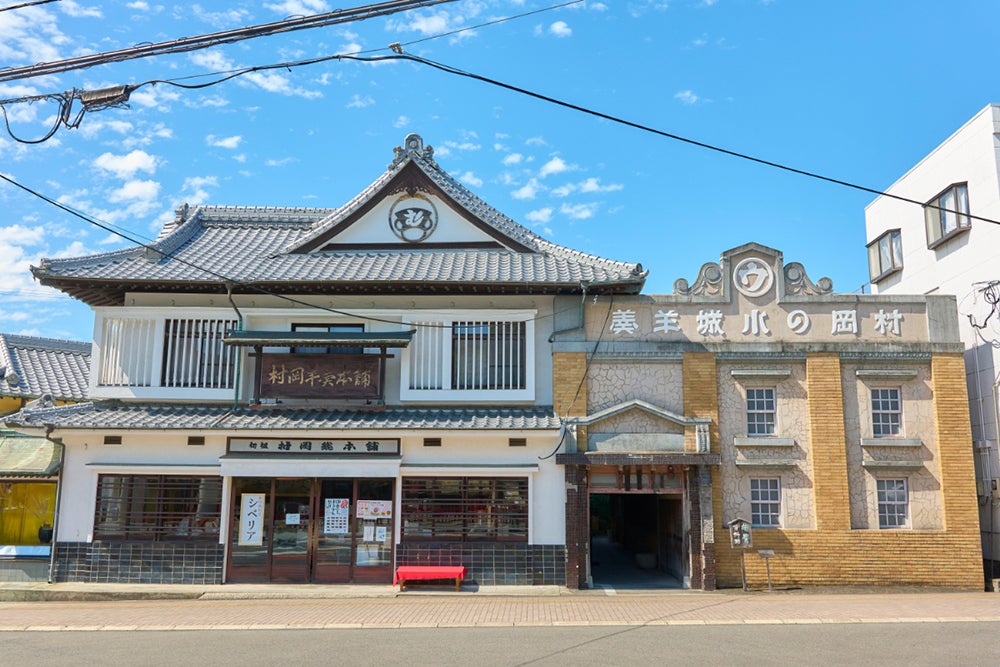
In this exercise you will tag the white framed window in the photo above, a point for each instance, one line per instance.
(765, 502)
(761, 411)
(885, 255)
(887, 412)
(468, 357)
(947, 214)
(893, 503)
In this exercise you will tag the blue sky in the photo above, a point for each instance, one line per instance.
(855, 90)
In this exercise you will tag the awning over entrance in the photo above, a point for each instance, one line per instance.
(27, 456)
(638, 459)
(391, 339)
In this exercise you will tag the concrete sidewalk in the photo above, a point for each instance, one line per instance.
(237, 607)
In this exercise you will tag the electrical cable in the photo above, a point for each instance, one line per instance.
(27, 4)
(187, 44)
(225, 279)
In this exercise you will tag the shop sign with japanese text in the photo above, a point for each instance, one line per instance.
(317, 446)
(320, 376)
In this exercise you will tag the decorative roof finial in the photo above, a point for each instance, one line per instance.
(413, 145)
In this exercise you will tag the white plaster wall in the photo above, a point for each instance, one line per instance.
(374, 227)
(924, 485)
(142, 453)
(475, 454)
(792, 421)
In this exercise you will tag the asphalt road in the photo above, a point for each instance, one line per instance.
(880, 644)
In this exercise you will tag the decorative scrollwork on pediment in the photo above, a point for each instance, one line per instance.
(709, 283)
(797, 282)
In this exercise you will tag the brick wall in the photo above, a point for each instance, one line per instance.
(833, 554)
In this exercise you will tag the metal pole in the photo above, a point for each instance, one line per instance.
(743, 568)
(767, 561)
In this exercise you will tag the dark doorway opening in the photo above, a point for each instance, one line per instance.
(636, 541)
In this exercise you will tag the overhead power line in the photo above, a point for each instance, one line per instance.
(26, 4)
(225, 37)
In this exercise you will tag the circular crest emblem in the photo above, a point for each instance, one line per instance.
(413, 218)
(753, 277)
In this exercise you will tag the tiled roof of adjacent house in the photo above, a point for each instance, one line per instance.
(114, 415)
(280, 247)
(31, 367)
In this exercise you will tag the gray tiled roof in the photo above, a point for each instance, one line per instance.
(260, 245)
(31, 367)
(114, 415)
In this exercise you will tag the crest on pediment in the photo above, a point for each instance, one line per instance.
(754, 271)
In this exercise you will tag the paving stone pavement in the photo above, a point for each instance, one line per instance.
(239, 608)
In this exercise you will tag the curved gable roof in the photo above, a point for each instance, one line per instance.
(294, 250)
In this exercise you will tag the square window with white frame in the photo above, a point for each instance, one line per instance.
(765, 502)
(887, 412)
(893, 503)
(761, 411)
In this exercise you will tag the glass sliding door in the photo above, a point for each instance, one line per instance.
(311, 530)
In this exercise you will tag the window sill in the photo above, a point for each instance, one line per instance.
(885, 274)
(898, 374)
(766, 463)
(763, 441)
(892, 465)
(958, 231)
(892, 442)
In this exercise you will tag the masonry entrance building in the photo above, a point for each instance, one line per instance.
(637, 535)
(311, 530)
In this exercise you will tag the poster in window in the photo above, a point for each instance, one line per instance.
(369, 532)
(380, 533)
(374, 509)
(251, 519)
(336, 516)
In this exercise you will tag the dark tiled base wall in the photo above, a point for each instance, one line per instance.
(492, 564)
(139, 562)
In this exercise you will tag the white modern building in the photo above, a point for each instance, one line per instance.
(950, 246)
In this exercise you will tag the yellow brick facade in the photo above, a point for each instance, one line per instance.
(833, 554)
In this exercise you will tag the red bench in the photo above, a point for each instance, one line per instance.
(405, 573)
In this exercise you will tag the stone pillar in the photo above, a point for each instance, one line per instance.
(701, 399)
(577, 526)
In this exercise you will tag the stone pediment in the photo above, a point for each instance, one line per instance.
(754, 271)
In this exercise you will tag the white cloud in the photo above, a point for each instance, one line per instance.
(687, 97)
(554, 166)
(359, 102)
(223, 19)
(136, 192)
(540, 215)
(299, 7)
(139, 6)
(278, 163)
(231, 143)
(588, 186)
(20, 235)
(463, 146)
(126, 166)
(578, 211)
(154, 98)
(535, 141)
(471, 179)
(560, 29)
(512, 159)
(529, 190)
(72, 8)
(30, 36)
(194, 188)
(401, 122)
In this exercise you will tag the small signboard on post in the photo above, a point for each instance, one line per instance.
(741, 537)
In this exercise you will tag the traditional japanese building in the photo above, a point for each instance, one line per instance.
(832, 425)
(39, 372)
(319, 395)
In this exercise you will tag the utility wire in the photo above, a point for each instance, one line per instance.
(27, 4)
(676, 137)
(226, 280)
(225, 37)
